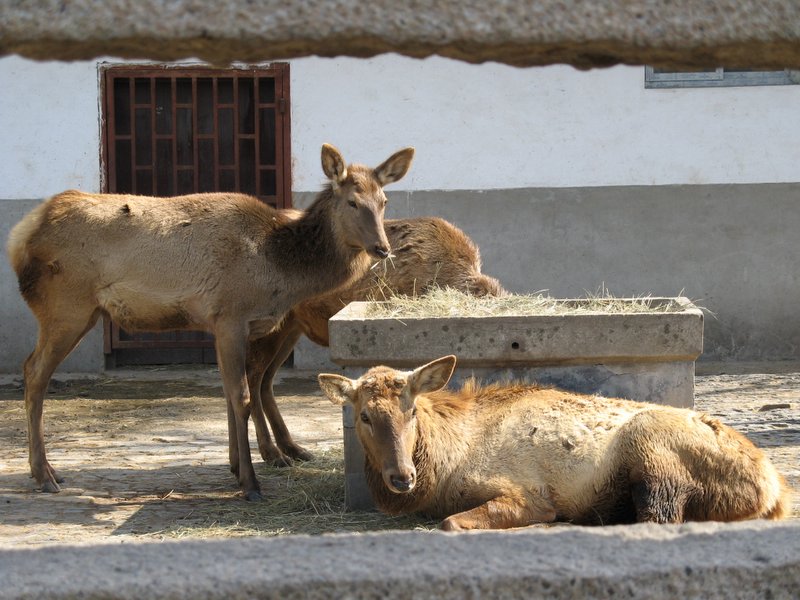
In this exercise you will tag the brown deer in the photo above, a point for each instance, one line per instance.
(224, 263)
(514, 455)
(427, 252)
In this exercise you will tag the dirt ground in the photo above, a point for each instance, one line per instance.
(144, 454)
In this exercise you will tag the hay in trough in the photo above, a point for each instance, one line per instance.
(449, 302)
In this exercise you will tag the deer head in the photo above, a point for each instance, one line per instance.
(359, 198)
(385, 405)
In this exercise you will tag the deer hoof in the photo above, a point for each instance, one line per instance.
(451, 524)
(298, 453)
(281, 461)
(253, 496)
(51, 487)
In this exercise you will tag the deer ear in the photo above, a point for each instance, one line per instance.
(394, 167)
(333, 164)
(337, 388)
(433, 376)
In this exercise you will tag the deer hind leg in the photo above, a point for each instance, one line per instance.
(661, 487)
(57, 338)
(661, 499)
(283, 438)
(513, 509)
(231, 346)
(262, 354)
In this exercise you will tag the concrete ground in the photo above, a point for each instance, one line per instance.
(145, 457)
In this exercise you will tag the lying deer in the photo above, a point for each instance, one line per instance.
(513, 455)
(224, 263)
(427, 252)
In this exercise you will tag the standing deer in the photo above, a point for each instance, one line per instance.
(224, 263)
(427, 252)
(514, 455)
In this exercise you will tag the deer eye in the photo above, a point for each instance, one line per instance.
(414, 412)
(352, 203)
(364, 418)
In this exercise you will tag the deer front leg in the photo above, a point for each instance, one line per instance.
(231, 346)
(503, 512)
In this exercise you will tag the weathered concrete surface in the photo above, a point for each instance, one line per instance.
(641, 356)
(745, 33)
(708, 560)
(356, 338)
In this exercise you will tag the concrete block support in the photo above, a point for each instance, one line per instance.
(613, 353)
(696, 560)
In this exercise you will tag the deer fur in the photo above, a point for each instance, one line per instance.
(427, 252)
(514, 455)
(224, 263)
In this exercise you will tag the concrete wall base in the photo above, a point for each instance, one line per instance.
(697, 560)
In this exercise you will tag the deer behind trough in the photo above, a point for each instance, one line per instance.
(514, 455)
(426, 252)
(224, 263)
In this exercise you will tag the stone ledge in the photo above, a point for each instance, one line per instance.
(744, 33)
(708, 560)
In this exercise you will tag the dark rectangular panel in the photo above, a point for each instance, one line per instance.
(205, 170)
(164, 181)
(183, 132)
(122, 166)
(226, 136)
(142, 126)
(163, 106)
(225, 90)
(247, 171)
(185, 181)
(142, 90)
(144, 182)
(227, 180)
(266, 90)
(122, 106)
(183, 90)
(246, 108)
(266, 136)
(205, 106)
(269, 183)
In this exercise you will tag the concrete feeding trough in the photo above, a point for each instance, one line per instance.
(641, 355)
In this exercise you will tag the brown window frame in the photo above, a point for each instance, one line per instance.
(278, 71)
(109, 73)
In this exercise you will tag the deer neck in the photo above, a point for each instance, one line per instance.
(309, 250)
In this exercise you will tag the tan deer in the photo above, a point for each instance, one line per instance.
(224, 263)
(427, 252)
(514, 455)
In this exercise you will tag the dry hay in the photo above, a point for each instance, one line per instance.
(305, 499)
(449, 302)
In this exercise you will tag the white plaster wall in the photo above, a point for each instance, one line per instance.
(475, 127)
(49, 124)
(493, 126)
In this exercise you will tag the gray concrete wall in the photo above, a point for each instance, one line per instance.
(756, 559)
(731, 248)
(18, 331)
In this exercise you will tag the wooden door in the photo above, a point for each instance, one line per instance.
(170, 131)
